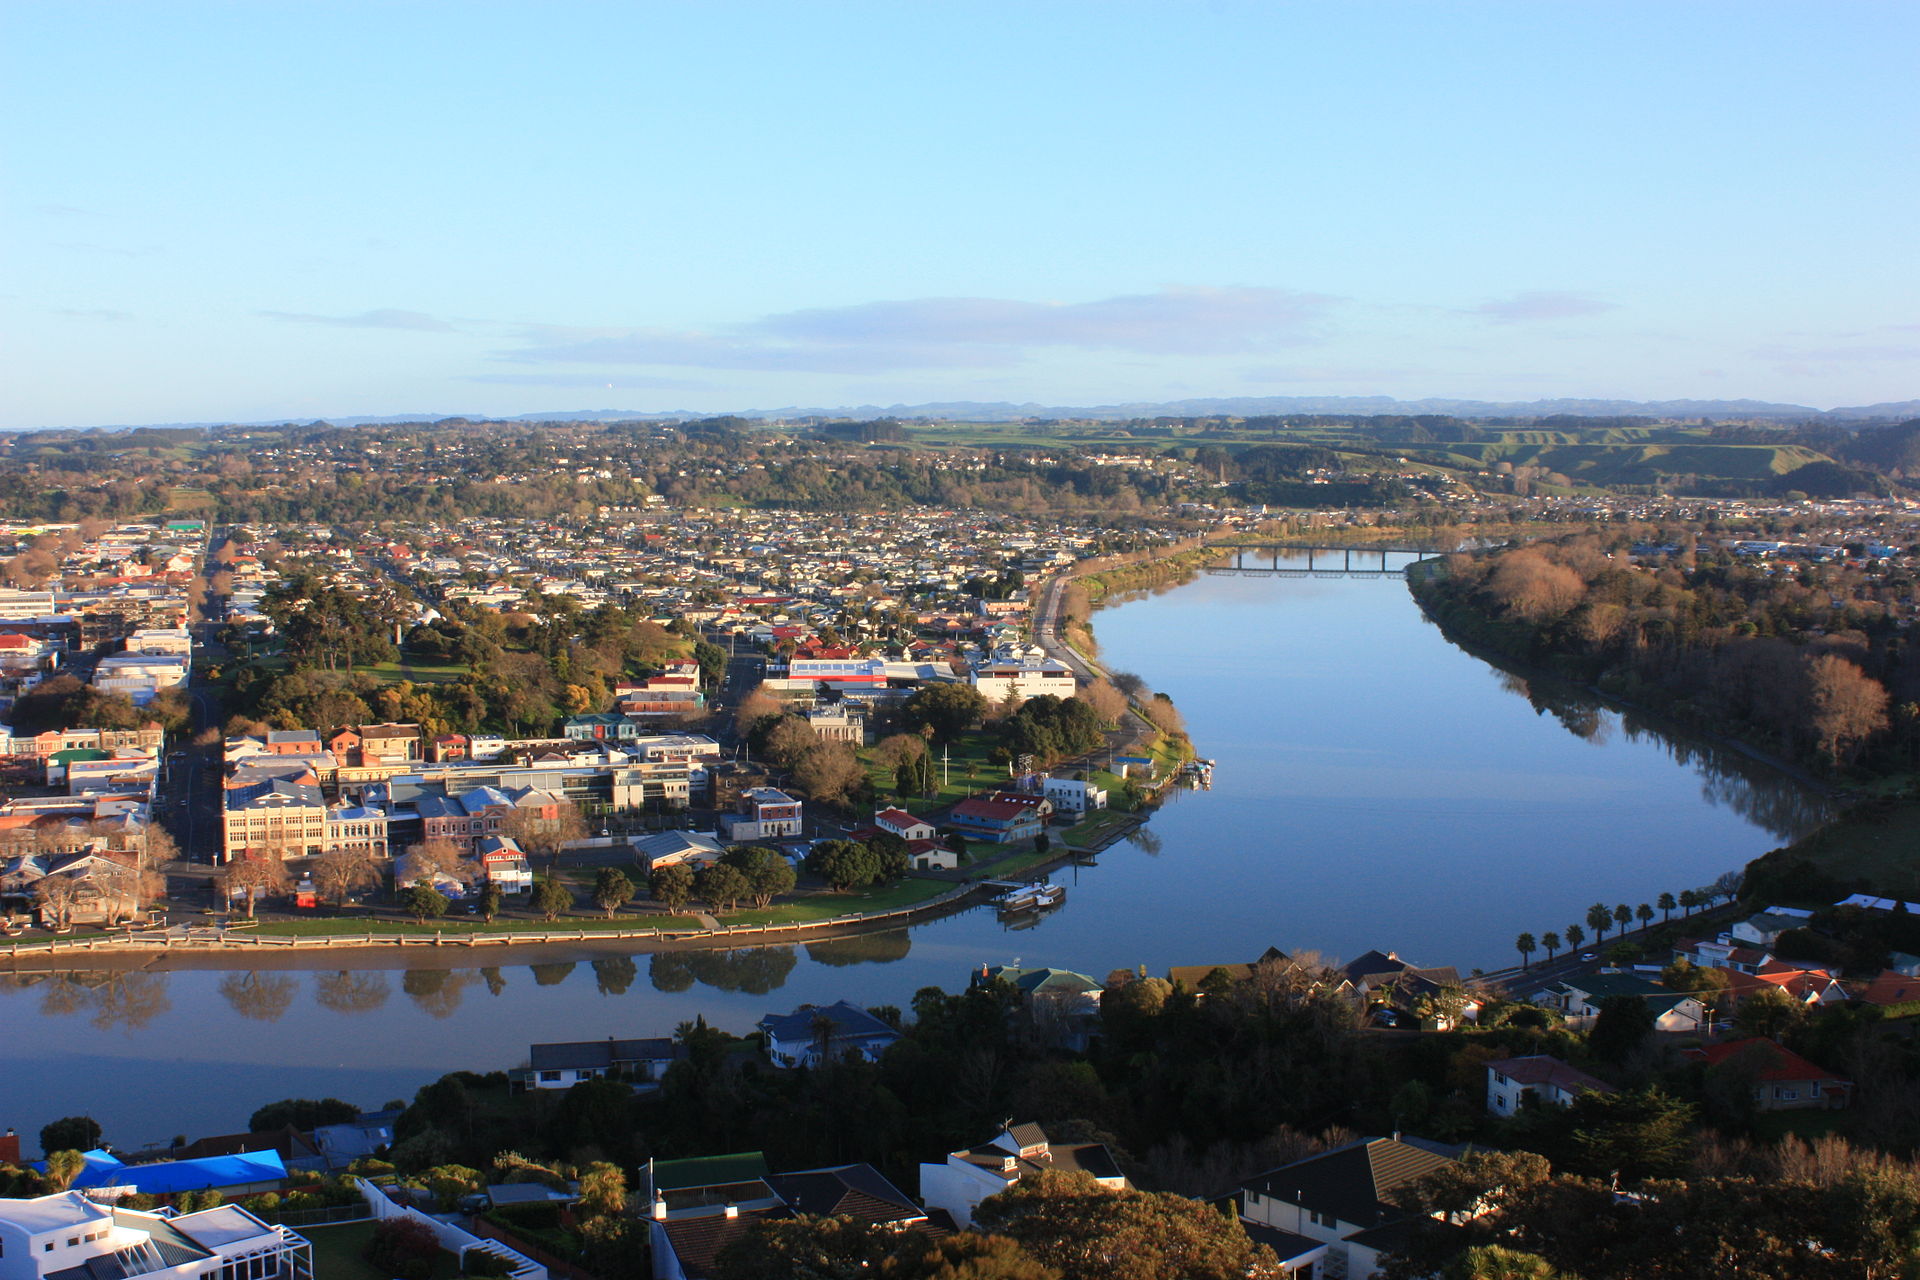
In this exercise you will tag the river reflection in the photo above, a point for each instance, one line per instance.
(263, 997)
(752, 970)
(113, 999)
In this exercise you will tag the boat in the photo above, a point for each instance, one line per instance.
(1050, 895)
(1032, 897)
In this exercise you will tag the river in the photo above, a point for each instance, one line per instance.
(1377, 787)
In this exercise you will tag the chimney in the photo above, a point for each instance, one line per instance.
(733, 1211)
(10, 1147)
(659, 1207)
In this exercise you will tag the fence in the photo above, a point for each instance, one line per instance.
(555, 1265)
(193, 939)
(455, 1240)
(326, 1215)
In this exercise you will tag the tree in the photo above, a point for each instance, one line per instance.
(1494, 1262)
(301, 1113)
(1688, 901)
(1844, 706)
(1599, 919)
(967, 1256)
(1666, 904)
(1107, 702)
(1624, 1024)
(70, 1133)
(756, 707)
(1575, 936)
(1623, 916)
(422, 902)
(550, 898)
(1644, 914)
(788, 740)
(1771, 1013)
(1524, 944)
(1090, 1232)
(1551, 941)
(60, 896)
(612, 890)
(338, 873)
(603, 1190)
(545, 836)
(721, 887)
(767, 873)
(671, 886)
(843, 864)
(1639, 1134)
(947, 710)
(830, 773)
(492, 898)
(63, 1167)
(251, 875)
(806, 1248)
(435, 860)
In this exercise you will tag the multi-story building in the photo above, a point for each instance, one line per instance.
(764, 813)
(277, 817)
(69, 1237)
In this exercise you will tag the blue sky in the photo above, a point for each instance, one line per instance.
(256, 210)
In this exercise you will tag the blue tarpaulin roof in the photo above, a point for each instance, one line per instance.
(168, 1177)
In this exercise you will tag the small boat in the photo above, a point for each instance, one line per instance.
(1050, 895)
(1018, 900)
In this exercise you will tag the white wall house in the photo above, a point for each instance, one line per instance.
(68, 1233)
(1074, 795)
(1511, 1081)
(967, 1177)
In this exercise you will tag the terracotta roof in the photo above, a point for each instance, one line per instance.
(1782, 1063)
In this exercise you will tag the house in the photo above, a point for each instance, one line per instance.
(71, 1237)
(1539, 1078)
(1062, 1006)
(763, 813)
(958, 1184)
(931, 855)
(1782, 1079)
(694, 849)
(1808, 986)
(561, 1066)
(700, 1206)
(504, 863)
(841, 722)
(903, 824)
(1765, 928)
(1890, 987)
(1194, 977)
(243, 1173)
(1344, 1200)
(1073, 795)
(1000, 818)
(389, 742)
(1580, 998)
(812, 1034)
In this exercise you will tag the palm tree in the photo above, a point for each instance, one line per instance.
(1644, 914)
(1599, 919)
(1575, 936)
(1524, 945)
(1623, 916)
(1689, 900)
(1551, 941)
(1666, 905)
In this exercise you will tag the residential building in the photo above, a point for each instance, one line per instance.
(764, 813)
(1073, 795)
(1538, 1078)
(504, 863)
(357, 828)
(1580, 998)
(1022, 674)
(1002, 817)
(561, 1066)
(280, 817)
(70, 1237)
(813, 1034)
(903, 824)
(693, 849)
(1782, 1080)
(1345, 1199)
(958, 1184)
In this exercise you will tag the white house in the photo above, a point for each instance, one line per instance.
(1511, 1081)
(694, 849)
(1580, 998)
(1022, 676)
(813, 1033)
(903, 824)
(68, 1235)
(967, 1177)
(1343, 1200)
(561, 1066)
(504, 863)
(1073, 795)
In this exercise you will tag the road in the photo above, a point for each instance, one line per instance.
(1133, 728)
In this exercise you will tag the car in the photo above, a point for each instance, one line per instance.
(1588, 957)
(176, 755)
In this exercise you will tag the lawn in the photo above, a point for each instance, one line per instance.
(359, 926)
(337, 1252)
(1095, 827)
(417, 672)
(1873, 843)
(965, 767)
(827, 906)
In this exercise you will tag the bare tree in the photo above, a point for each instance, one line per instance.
(433, 860)
(1845, 706)
(1107, 702)
(59, 897)
(338, 872)
(157, 847)
(755, 707)
(253, 875)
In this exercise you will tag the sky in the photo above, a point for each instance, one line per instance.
(274, 209)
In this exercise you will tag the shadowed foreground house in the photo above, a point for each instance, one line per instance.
(1337, 1212)
(967, 1177)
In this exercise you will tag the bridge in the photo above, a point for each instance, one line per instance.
(1318, 562)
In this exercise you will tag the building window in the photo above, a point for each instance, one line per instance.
(549, 1075)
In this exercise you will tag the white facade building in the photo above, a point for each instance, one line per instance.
(69, 1237)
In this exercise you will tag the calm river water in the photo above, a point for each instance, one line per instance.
(1377, 787)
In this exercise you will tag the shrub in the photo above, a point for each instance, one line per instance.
(403, 1248)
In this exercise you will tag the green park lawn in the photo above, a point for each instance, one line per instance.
(1095, 827)
(827, 906)
(416, 672)
(360, 926)
(966, 768)
(1873, 843)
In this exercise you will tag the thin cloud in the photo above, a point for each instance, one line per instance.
(954, 333)
(1799, 357)
(1542, 304)
(418, 321)
(623, 382)
(96, 313)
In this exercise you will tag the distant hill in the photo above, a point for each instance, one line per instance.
(1234, 406)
